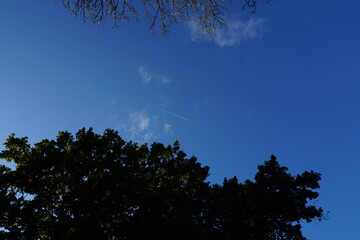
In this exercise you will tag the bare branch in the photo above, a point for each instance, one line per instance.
(208, 15)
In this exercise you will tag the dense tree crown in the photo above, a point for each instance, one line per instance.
(208, 15)
(95, 186)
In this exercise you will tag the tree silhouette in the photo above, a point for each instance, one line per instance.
(208, 15)
(95, 186)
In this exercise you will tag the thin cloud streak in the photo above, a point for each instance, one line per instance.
(175, 115)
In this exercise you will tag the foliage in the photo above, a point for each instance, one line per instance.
(95, 186)
(208, 15)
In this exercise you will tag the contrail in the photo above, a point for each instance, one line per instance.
(175, 115)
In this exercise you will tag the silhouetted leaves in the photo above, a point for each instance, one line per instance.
(95, 186)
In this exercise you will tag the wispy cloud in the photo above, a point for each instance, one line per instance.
(144, 126)
(237, 32)
(138, 126)
(144, 74)
(139, 121)
(147, 76)
(148, 136)
(167, 127)
(163, 79)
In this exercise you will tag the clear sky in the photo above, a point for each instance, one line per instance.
(284, 81)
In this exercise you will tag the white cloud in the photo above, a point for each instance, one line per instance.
(167, 127)
(164, 79)
(139, 120)
(138, 124)
(237, 32)
(148, 136)
(147, 76)
(141, 126)
(144, 74)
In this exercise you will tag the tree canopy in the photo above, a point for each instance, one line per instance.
(92, 186)
(207, 15)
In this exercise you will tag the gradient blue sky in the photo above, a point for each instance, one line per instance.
(284, 81)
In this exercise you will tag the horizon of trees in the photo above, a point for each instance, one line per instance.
(92, 186)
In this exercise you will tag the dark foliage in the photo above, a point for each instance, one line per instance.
(99, 187)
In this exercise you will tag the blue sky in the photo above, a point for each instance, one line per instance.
(284, 81)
